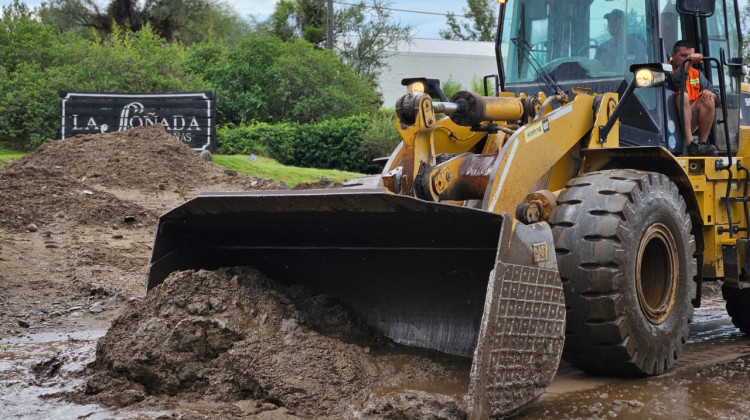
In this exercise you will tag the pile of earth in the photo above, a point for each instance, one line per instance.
(234, 335)
(104, 178)
(34, 196)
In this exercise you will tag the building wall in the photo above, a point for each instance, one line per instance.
(461, 61)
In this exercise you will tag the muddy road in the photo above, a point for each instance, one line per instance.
(79, 340)
(39, 371)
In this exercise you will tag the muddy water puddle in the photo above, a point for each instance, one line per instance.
(708, 392)
(711, 322)
(709, 381)
(36, 365)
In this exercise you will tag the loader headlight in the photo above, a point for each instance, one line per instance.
(416, 87)
(645, 77)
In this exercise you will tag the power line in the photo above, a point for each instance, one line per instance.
(401, 10)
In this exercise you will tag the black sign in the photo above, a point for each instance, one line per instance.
(189, 116)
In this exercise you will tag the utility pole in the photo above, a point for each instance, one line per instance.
(329, 25)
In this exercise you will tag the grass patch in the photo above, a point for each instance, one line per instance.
(262, 167)
(8, 155)
(268, 168)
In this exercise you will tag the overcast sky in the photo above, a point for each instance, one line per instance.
(426, 25)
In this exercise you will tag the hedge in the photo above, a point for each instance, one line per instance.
(348, 144)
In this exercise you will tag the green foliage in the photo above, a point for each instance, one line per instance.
(264, 79)
(182, 21)
(450, 86)
(381, 137)
(258, 79)
(348, 144)
(24, 40)
(478, 84)
(481, 24)
(29, 110)
(365, 34)
(259, 138)
(8, 155)
(305, 19)
(37, 62)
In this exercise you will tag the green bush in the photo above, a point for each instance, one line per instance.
(348, 144)
(450, 86)
(29, 110)
(264, 79)
(381, 137)
(272, 140)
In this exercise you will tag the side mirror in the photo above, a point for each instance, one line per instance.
(737, 67)
(703, 8)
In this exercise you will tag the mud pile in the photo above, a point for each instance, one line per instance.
(232, 335)
(81, 179)
(143, 157)
(100, 179)
(35, 196)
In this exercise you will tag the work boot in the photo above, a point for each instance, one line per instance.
(702, 149)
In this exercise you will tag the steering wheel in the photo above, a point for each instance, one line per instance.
(584, 51)
(584, 67)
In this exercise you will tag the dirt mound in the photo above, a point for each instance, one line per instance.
(69, 179)
(99, 179)
(143, 158)
(232, 334)
(82, 179)
(321, 183)
(34, 196)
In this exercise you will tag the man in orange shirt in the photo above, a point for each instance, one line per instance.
(698, 99)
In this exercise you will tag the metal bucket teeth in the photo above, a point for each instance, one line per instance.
(523, 327)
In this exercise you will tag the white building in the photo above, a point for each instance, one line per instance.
(460, 61)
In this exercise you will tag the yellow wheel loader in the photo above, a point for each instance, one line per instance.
(555, 214)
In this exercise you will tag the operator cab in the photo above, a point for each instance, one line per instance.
(593, 43)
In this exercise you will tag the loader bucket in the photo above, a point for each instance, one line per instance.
(424, 274)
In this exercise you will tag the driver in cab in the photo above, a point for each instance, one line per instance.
(611, 54)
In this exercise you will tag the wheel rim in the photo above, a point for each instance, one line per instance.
(657, 273)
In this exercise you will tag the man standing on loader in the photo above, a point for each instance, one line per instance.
(698, 99)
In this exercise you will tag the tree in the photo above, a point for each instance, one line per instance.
(265, 79)
(304, 19)
(184, 21)
(366, 35)
(481, 24)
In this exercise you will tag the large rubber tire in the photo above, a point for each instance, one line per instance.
(738, 306)
(625, 255)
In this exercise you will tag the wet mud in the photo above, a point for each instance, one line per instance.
(717, 391)
(709, 380)
(232, 334)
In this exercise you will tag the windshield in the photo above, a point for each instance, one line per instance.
(575, 39)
